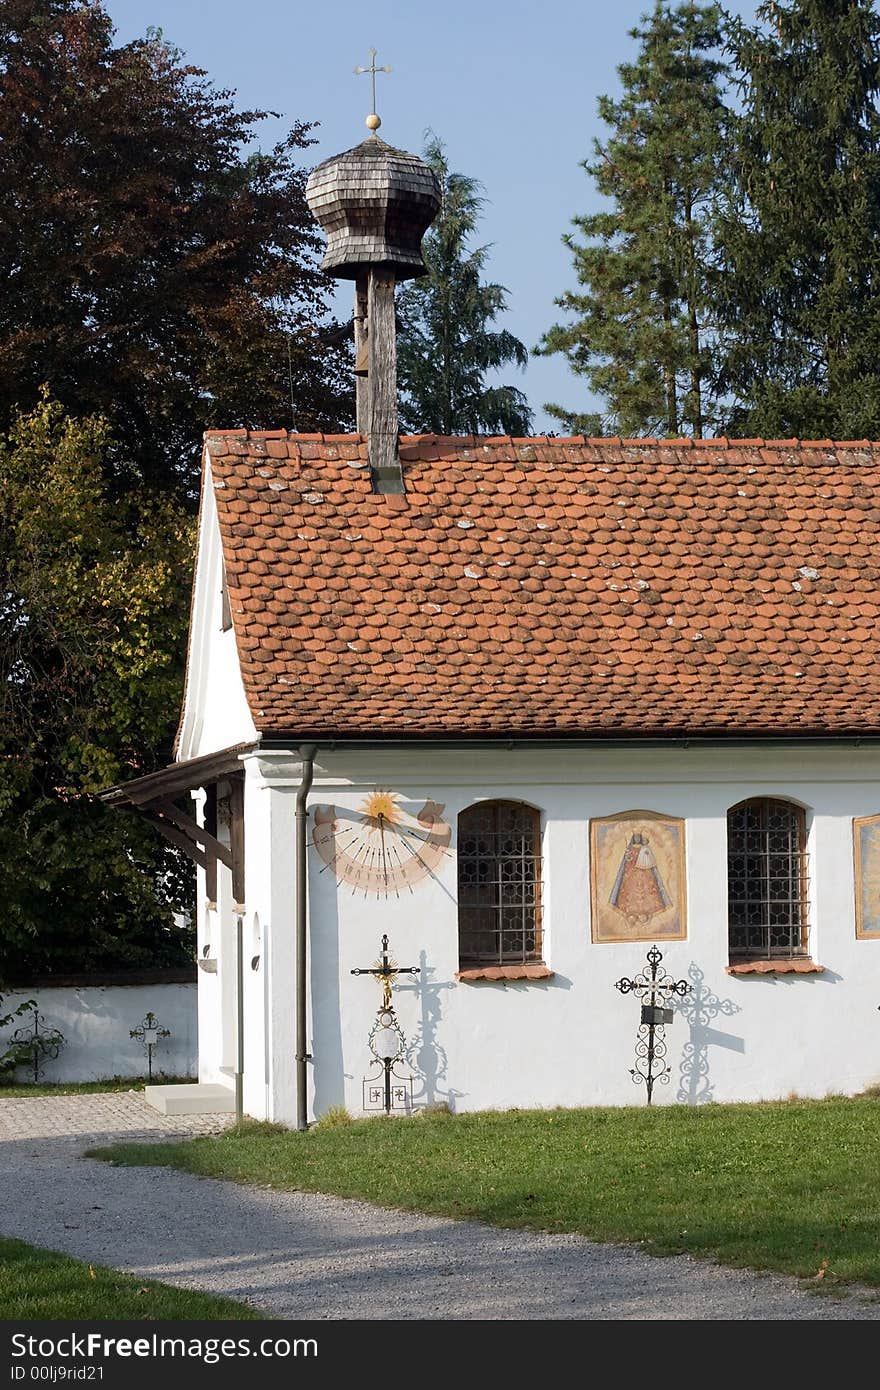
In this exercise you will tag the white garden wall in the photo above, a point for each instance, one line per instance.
(96, 1021)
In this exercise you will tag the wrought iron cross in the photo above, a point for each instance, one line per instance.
(651, 1064)
(386, 1040)
(149, 1032)
(34, 1043)
(372, 70)
(387, 971)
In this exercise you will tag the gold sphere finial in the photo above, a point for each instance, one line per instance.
(373, 121)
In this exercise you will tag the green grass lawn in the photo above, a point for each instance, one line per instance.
(792, 1186)
(76, 1088)
(37, 1284)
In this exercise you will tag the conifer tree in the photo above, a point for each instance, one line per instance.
(800, 236)
(445, 343)
(642, 333)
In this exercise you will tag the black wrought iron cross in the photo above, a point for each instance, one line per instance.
(387, 971)
(35, 1042)
(654, 990)
(386, 1040)
(149, 1032)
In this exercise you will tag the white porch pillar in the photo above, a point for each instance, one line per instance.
(271, 784)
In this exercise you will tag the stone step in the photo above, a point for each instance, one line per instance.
(199, 1098)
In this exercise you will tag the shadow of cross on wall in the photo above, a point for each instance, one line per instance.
(699, 1009)
(425, 1054)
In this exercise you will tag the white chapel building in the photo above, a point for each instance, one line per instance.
(528, 708)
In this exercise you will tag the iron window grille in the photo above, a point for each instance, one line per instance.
(767, 881)
(499, 884)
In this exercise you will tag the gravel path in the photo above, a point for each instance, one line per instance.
(298, 1255)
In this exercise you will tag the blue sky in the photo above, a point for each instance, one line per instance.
(509, 85)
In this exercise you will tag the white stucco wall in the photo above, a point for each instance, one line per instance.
(568, 1040)
(96, 1021)
(224, 720)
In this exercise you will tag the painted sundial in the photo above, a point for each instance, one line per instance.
(380, 848)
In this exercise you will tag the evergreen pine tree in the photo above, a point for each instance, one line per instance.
(445, 345)
(800, 237)
(642, 334)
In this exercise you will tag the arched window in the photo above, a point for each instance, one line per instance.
(499, 884)
(766, 879)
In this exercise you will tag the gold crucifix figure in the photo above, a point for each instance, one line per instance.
(373, 121)
(386, 972)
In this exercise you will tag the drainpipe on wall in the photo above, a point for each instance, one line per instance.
(239, 1019)
(307, 753)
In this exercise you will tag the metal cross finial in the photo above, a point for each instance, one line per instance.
(373, 121)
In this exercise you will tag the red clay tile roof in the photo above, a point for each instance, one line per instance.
(533, 587)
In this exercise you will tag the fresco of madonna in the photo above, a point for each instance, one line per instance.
(637, 877)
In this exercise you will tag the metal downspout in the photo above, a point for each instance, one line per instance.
(307, 753)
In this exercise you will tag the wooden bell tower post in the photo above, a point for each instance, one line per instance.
(375, 203)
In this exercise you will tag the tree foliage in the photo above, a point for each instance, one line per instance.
(92, 626)
(800, 235)
(157, 269)
(641, 331)
(446, 346)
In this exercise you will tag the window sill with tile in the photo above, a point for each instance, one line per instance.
(535, 970)
(799, 965)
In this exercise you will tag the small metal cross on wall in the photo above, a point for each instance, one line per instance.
(386, 1040)
(373, 121)
(653, 990)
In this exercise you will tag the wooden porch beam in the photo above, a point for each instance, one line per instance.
(190, 826)
(177, 837)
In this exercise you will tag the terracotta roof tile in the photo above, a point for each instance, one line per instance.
(563, 586)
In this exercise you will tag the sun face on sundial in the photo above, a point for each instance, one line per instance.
(380, 849)
(380, 809)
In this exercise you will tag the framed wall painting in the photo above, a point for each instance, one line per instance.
(866, 862)
(638, 887)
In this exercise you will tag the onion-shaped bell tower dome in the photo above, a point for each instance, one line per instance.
(375, 204)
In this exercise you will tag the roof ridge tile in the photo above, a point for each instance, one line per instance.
(544, 440)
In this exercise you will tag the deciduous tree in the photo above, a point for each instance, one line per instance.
(157, 269)
(92, 621)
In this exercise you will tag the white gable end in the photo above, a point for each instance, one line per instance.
(215, 710)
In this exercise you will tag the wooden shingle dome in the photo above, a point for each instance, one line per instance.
(375, 204)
